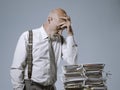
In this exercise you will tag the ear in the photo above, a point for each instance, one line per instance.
(50, 19)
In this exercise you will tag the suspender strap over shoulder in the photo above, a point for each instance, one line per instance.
(29, 54)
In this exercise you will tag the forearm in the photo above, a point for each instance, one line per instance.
(70, 50)
(17, 78)
(69, 31)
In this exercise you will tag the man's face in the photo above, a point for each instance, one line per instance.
(57, 23)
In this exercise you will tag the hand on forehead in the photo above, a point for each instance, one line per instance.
(65, 18)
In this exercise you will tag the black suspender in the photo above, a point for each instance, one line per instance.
(29, 54)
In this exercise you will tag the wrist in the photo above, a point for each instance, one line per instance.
(69, 31)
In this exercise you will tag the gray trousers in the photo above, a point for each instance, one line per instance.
(30, 85)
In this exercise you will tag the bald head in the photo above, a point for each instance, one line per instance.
(58, 12)
(55, 18)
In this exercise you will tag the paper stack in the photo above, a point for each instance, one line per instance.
(84, 77)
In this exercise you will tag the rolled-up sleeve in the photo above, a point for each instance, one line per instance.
(17, 67)
(69, 50)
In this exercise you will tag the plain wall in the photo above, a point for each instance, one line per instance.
(96, 25)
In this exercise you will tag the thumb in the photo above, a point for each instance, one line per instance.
(60, 32)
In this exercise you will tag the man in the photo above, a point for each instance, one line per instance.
(43, 71)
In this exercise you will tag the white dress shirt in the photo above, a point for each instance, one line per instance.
(67, 51)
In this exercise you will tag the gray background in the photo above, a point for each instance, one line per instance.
(96, 25)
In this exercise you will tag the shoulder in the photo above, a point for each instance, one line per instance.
(36, 34)
(24, 35)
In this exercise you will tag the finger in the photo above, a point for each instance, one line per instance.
(60, 26)
(63, 26)
(62, 17)
(61, 23)
(65, 18)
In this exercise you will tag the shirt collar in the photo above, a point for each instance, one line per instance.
(43, 33)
